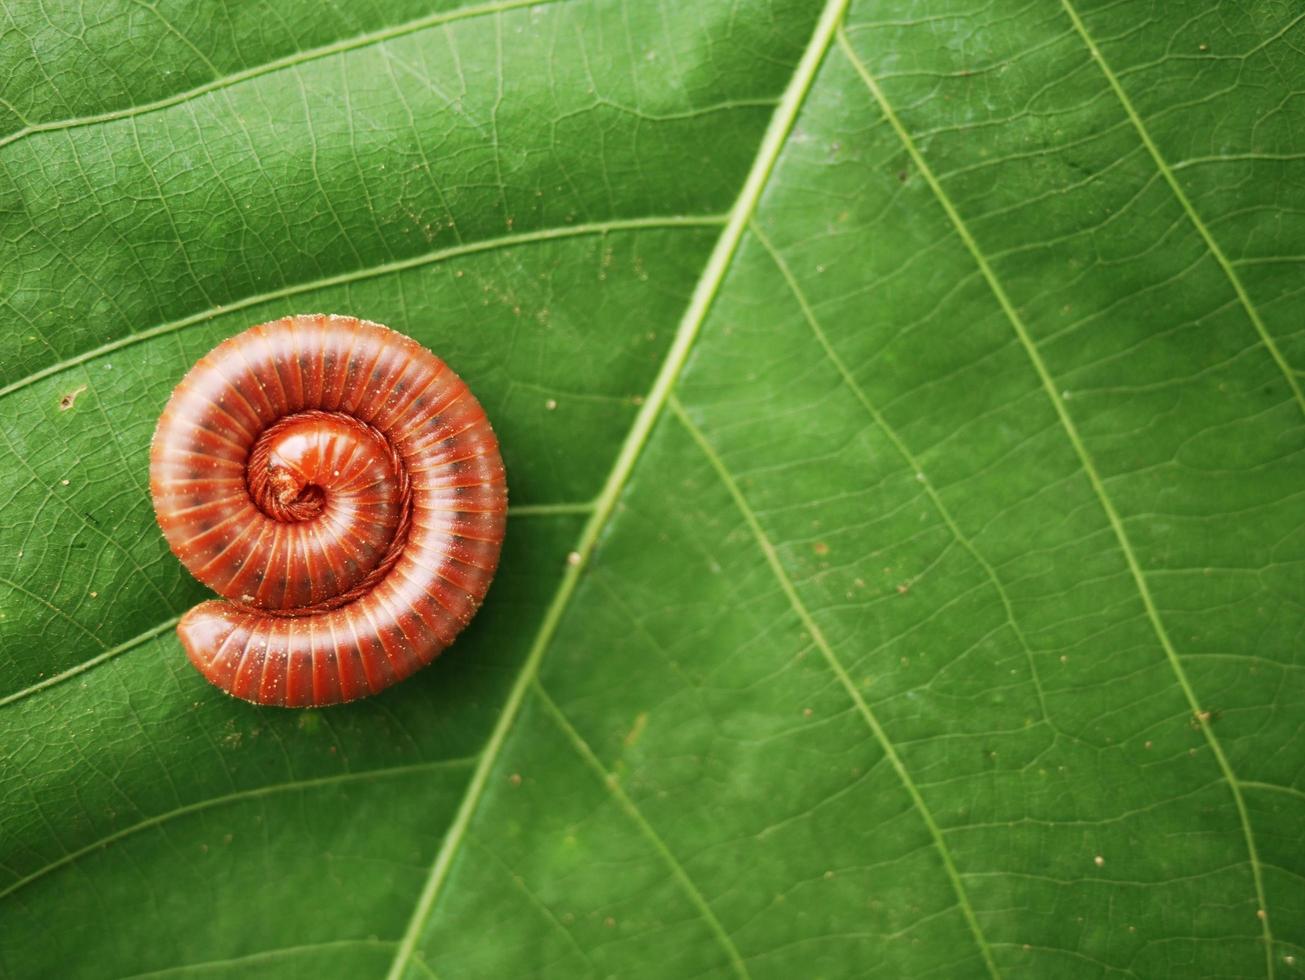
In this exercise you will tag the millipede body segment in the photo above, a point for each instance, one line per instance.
(342, 488)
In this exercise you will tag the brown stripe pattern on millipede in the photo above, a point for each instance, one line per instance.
(342, 488)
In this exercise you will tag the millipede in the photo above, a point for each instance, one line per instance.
(342, 489)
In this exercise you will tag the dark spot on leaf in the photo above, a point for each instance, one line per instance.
(67, 401)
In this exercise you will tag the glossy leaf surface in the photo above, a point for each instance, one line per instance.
(905, 438)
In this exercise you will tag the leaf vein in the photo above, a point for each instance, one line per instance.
(278, 64)
(260, 956)
(631, 810)
(1090, 470)
(1189, 209)
(370, 272)
(908, 457)
(704, 294)
(840, 672)
(226, 798)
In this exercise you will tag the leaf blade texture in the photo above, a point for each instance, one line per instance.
(904, 428)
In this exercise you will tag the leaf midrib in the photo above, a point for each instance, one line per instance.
(704, 294)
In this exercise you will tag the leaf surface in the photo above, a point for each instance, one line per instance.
(904, 433)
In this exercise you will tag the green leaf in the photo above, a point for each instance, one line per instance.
(905, 432)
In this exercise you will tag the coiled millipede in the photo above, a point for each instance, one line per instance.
(342, 488)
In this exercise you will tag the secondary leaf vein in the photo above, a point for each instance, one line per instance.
(1202, 718)
(217, 801)
(631, 810)
(279, 64)
(1202, 229)
(370, 272)
(836, 665)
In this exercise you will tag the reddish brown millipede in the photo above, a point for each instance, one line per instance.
(342, 488)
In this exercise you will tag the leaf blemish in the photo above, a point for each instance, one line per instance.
(636, 730)
(67, 401)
